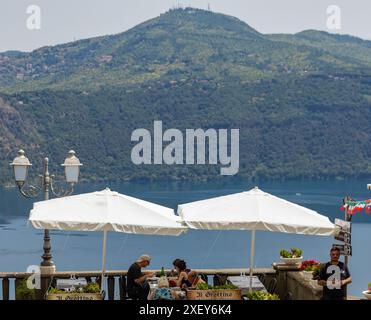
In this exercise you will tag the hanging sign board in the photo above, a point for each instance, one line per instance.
(343, 236)
(345, 249)
(344, 226)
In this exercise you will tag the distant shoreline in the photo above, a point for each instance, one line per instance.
(216, 179)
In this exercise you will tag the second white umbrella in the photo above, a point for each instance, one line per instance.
(254, 210)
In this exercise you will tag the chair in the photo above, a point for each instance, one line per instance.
(203, 277)
(266, 280)
(261, 277)
(220, 279)
(288, 296)
(271, 288)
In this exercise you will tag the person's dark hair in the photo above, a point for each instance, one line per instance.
(175, 262)
(181, 264)
(335, 249)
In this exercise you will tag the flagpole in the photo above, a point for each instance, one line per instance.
(348, 217)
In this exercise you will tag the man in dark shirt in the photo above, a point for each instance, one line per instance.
(137, 285)
(334, 277)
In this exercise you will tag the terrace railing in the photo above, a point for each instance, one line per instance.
(116, 280)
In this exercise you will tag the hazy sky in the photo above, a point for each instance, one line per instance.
(67, 20)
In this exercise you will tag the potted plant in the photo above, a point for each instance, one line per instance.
(89, 292)
(367, 293)
(261, 295)
(22, 292)
(291, 258)
(316, 270)
(308, 267)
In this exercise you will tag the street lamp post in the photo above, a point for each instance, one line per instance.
(21, 165)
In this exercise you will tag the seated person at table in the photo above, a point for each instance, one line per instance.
(182, 271)
(194, 279)
(137, 285)
(174, 272)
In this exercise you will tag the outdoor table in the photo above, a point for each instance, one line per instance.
(243, 283)
(174, 292)
(153, 287)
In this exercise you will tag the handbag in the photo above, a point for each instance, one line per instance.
(163, 294)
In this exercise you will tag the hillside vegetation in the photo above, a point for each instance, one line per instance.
(302, 102)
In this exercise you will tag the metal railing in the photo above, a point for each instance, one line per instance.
(116, 280)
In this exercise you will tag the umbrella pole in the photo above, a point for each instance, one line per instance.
(104, 258)
(252, 249)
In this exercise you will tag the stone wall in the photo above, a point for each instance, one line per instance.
(293, 284)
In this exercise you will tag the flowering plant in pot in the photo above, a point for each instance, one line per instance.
(308, 267)
(367, 293)
(316, 270)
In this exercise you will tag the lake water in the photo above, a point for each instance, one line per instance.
(21, 245)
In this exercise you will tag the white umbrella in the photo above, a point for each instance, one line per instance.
(105, 211)
(254, 210)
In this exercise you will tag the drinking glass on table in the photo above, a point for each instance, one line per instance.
(153, 285)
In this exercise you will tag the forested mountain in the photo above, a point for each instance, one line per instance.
(302, 102)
